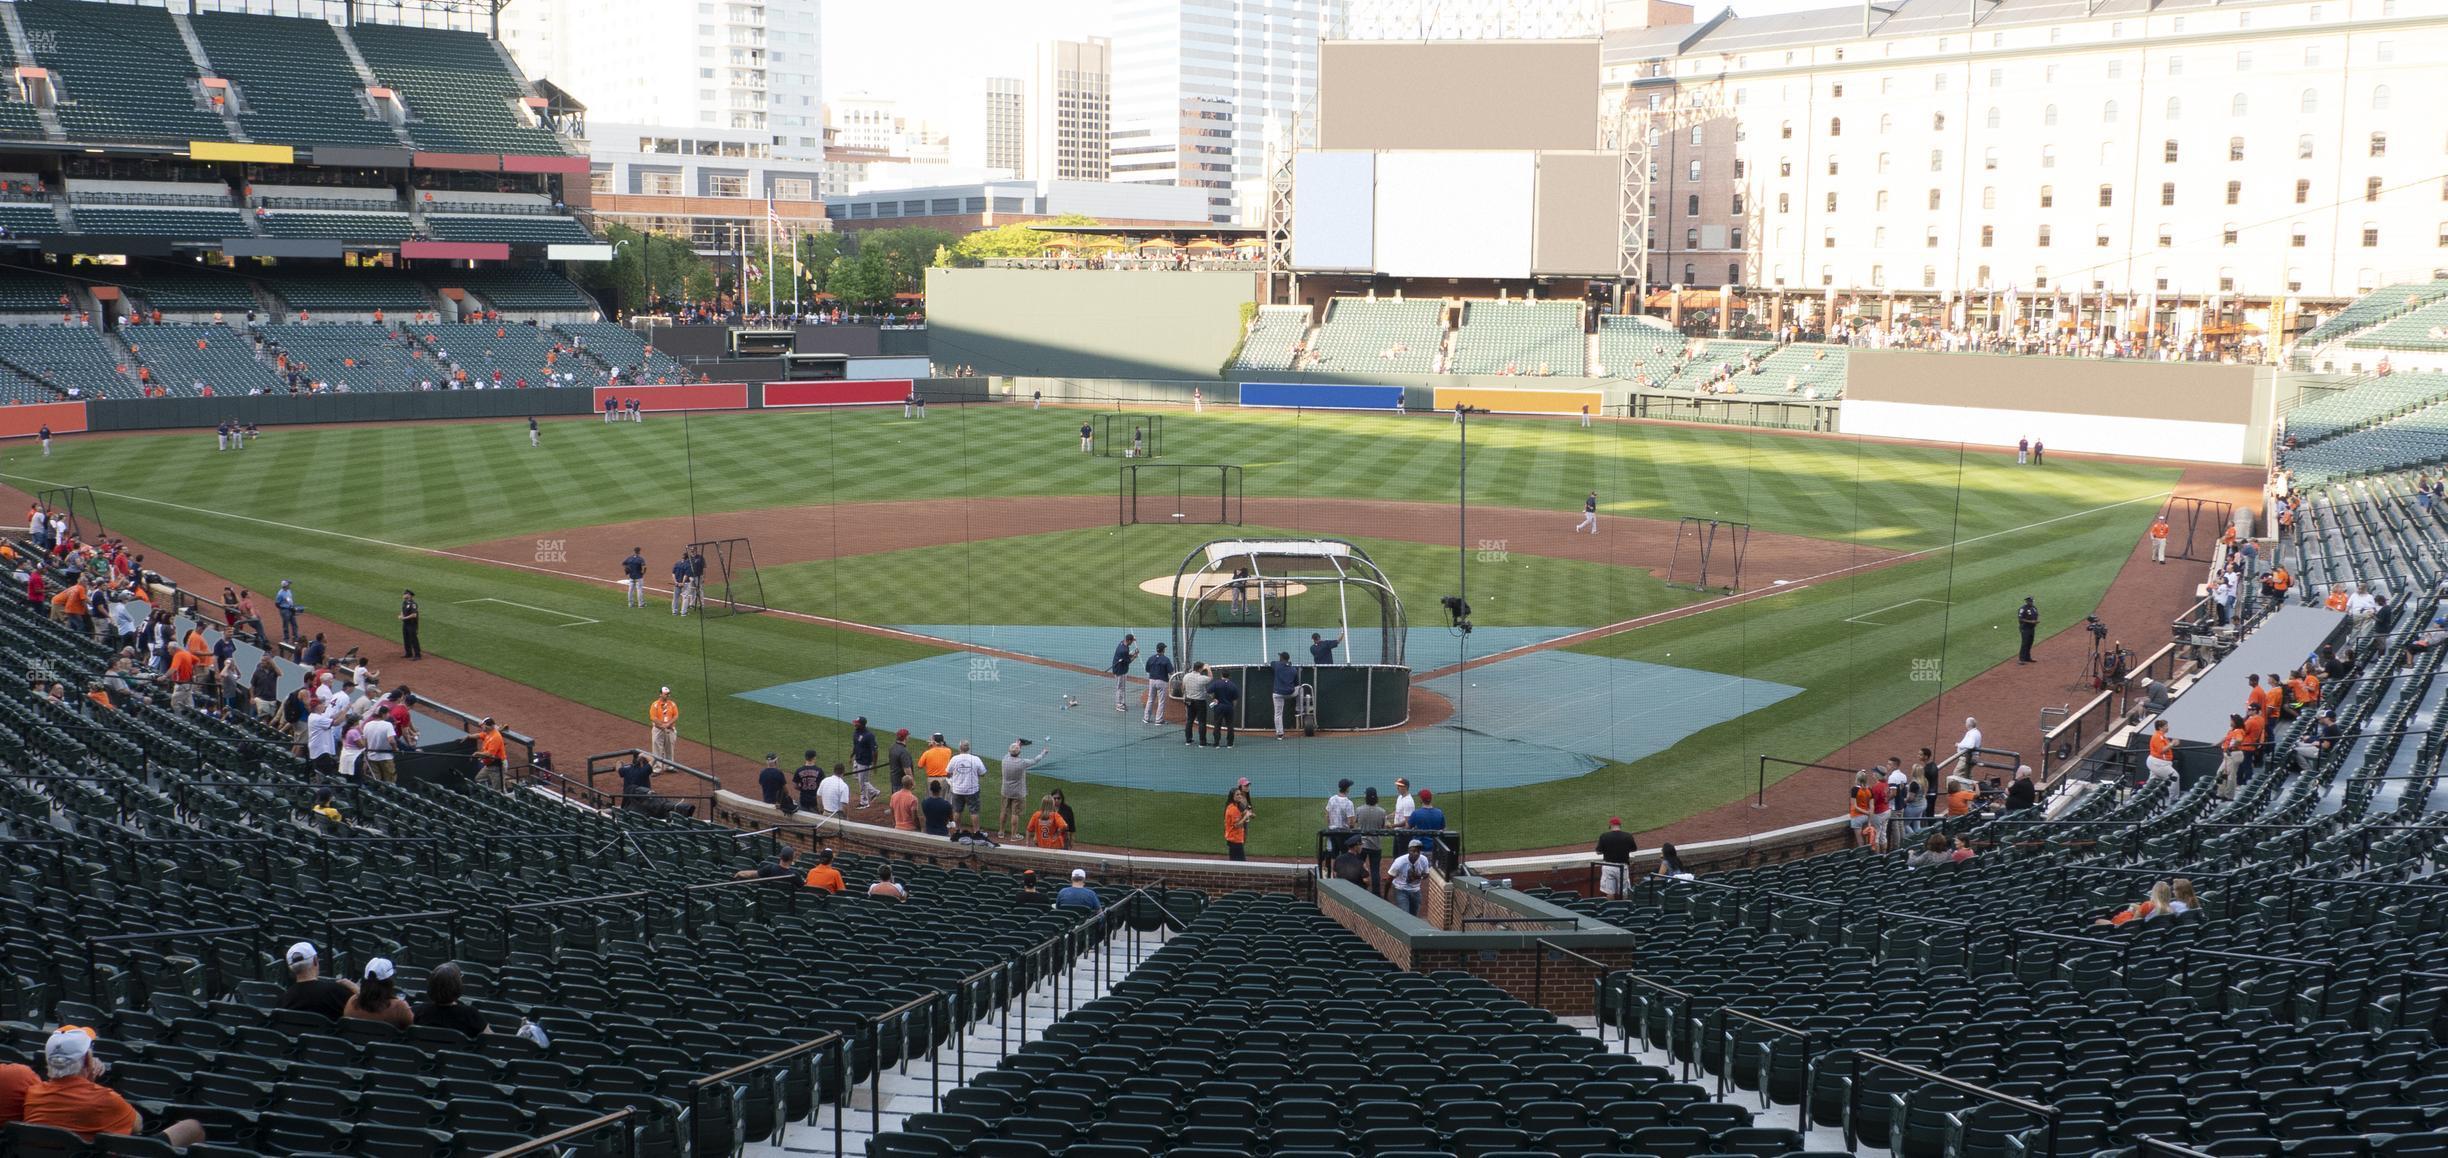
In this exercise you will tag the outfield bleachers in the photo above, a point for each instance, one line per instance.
(2410, 439)
(2363, 402)
(2423, 328)
(517, 229)
(226, 361)
(294, 78)
(182, 222)
(1715, 356)
(29, 219)
(325, 351)
(18, 120)
(1630, 348)
(350, 291)
(519, 289)
(619, 347)
(2374, 308)
(367, 228)
(68, 358)
(1521, 337)
(516, 349)
(644, 973)
(25, 291)
(1274, 338)
(1361, 335)
(124, 73)
(1812, 371)
(191, 289)
(458, 91)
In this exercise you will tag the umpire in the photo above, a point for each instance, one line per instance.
(2027, 623)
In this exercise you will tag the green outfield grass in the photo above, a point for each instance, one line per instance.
(344, 513)
(1092, 577)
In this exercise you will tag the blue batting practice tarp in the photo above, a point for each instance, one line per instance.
(1322, 395)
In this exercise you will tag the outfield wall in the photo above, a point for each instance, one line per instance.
(2189, 411)
(1087, 323)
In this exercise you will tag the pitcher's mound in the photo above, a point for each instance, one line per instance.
(1201, 584)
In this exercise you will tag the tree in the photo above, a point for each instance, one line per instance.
(861, 280)
(902, 256)
(1010, 241)
(644, 268)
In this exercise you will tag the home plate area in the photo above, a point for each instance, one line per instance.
(1534, 717)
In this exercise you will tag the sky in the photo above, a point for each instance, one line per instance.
(932, 55)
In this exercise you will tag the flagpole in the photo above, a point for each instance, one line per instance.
(769, 261)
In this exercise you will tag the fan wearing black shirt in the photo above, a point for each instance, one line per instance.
(1615, 849)
(2023, 793)
(309, 990)
(442, 1007)
(807, 778)
(782, 868)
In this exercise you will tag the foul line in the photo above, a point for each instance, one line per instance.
(1560, 641)
(576, 620)
(1759, 593)
(1865, 620)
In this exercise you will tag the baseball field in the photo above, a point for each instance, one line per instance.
(967, 573)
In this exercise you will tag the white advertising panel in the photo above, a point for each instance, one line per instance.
(1455, 214)
(1333, 203)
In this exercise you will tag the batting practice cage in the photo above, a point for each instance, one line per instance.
(1121, 435)
(2195, 526)
(76, 504)
(732, 585)
(1708, 553)
(1182, 495)
(1288, 590)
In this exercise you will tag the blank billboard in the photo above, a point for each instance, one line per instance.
(1454, 214)
(1333, 211)
(1488, 94)
(1580, 207)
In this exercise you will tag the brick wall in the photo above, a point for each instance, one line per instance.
(1555, 983)
(1511, 958)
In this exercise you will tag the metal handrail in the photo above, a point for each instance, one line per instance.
(831, 1040)
(552, 1142)
(1865, 1060)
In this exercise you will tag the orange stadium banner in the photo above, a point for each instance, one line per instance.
(693, 396)
(1506, 401)
(28, 421)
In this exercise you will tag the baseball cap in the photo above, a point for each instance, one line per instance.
(859, 722)
(379, 969)
(1419, 844)
(1615, 821)
(1354, 842)
(1402, 782)
(937, 736)
(1079, 874)
(1244, 783)
(69, 1047)
(667, 691)
(1426, 796)
(1342, 785)
(301, 953)
(903, 734)
(1024, 741)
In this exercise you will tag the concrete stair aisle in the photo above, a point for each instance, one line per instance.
(913, 1088)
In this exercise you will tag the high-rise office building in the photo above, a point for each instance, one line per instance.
(1199, 84)
(1003, 132)
(1070, 119)
(733, 64)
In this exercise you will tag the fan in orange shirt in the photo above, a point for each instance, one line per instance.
(823, 875)
(1046, 828)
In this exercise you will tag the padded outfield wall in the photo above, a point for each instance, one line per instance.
(1087, 323)
(2191, 411)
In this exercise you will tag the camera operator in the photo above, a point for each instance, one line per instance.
(2027, 622)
